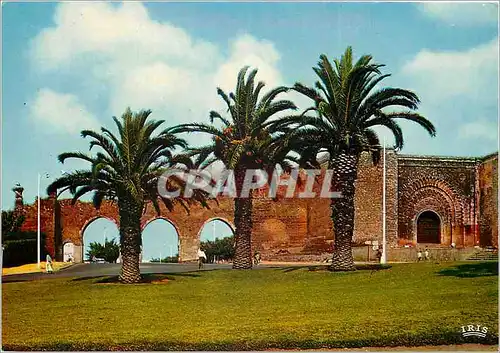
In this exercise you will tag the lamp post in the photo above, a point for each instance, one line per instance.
(164, 246)
(38, 226)
(383, 258)
(38, 242)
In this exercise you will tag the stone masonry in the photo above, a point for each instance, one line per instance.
(461, 193)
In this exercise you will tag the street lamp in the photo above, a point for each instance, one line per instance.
(383, 258)
(38, 224)
(38, 241)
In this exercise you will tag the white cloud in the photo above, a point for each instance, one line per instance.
(455, 87)
(480, 130)
(147, 64)
(446, 74)
(248, 51)
(62, 113)
(462, 13)
(162, 88)
(123, 33)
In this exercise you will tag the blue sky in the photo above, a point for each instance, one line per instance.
(73, 65)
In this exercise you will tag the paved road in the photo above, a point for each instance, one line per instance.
(96, 270)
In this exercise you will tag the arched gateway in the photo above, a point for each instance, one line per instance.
(428, 228)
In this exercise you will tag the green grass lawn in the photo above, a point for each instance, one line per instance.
(407, 304)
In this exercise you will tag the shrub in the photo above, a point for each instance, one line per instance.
(223, 248)
(11, 222)
(168, 259)
(20, 248)
(109, 251)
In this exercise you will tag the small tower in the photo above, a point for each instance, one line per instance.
(18, 190)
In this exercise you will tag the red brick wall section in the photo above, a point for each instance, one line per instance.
(488, 201)
(368, 199)
(280, 225)
(46, 222)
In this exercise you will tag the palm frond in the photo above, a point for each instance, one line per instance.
(347, 104)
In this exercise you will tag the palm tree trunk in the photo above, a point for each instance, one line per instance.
(345, 168)
(130, 240)
(243, 223)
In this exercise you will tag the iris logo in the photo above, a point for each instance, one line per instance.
(474, 330)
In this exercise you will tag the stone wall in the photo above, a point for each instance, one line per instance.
(368, 199)
(443, 185)
(367, 254)
(47, 221)
(488, 201)
(460, 191)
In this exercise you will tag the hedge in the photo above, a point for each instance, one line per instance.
(21, 248)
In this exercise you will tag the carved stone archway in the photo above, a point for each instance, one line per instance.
(430, 194)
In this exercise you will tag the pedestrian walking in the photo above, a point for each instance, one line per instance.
(201, 258)
(379, 254)
(256, 258)
(426, 254)
(48, 264)
(419, 255)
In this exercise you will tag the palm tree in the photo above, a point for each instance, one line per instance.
(127, 170)
(347, 106)
(246, 140)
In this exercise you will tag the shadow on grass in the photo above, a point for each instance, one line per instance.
(27, 277)
(316, 268)
(15, 280)
(372, 267)
(309, 268)
(146, 278)
(481, 269)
